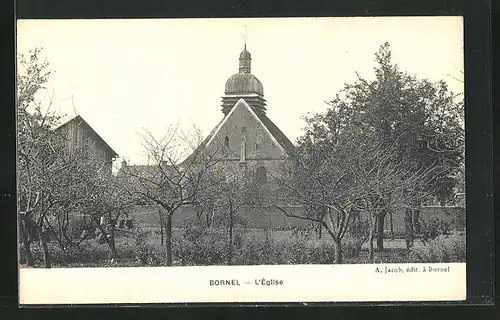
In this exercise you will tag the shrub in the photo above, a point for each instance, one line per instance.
(443, 248)
(256, 249)
(302, 232)
(393, 256)
(351, 247)
(292, 250)
(434, 228)
(145, 253)
(357, 235)
(88, 254)
(322, 254)
(193, 232)
(198, 245)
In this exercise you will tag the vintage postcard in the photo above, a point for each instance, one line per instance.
(241, 160)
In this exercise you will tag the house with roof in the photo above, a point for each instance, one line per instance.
(77, 133)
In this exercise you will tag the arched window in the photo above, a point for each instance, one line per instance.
(226, 142)
(261, 175)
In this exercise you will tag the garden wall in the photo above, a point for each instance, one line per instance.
(270, 217)
(250, 217)
(454, 216)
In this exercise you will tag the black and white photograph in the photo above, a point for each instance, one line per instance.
(195, 149)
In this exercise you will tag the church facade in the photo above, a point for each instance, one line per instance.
(246, 139)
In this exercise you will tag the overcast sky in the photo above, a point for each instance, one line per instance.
(125, 76)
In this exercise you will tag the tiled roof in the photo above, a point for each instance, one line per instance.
(204, 142)
(277, 133)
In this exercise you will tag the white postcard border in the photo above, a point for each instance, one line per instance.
(300, 283)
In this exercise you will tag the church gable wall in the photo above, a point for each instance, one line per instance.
(242, 127)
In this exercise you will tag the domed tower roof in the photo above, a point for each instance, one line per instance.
(244, 82)
(245, 54)
(244, 85)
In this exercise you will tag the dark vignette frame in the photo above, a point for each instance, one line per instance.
(479, 156)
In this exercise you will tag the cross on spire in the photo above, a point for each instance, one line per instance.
(245, 36)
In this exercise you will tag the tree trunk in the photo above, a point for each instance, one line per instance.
(109, 240)
(231, 225)
(408, 228)
(370, 239)
(46, 254)
(320, 230)
(392, 225)
(112, 243)
(380, 231)
(338, 251)
(162, 224)
(27, 253)
(168, 240)
(212, 217)
(416, 221)
(23, 231)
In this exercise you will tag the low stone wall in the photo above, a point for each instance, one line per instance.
(455, 216)
(250, 217)
(272, 218)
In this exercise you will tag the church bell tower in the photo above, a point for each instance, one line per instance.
(244, 85)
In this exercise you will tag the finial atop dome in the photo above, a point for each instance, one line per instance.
(245, 36)
(245, 57)
(244, 85)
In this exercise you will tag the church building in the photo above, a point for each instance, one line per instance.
(245, 137)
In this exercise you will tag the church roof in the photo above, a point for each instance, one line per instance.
(243, 88)
(204, 143)
(277, 133)
(245, 54)
(243, 83)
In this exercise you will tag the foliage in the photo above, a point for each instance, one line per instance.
(264, 247)
(56, 179)
(420, 120)
(389, 143)
(356, 236)
(293, 250)
(434, 228)
(444, 248)
(210, 248)
(51, 179)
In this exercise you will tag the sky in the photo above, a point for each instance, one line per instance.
(126, 77)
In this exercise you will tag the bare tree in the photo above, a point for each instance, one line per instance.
(180, 174)
(335, 182)
(323, 182)
(54, 181)
(237, 188)
(109, 198)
